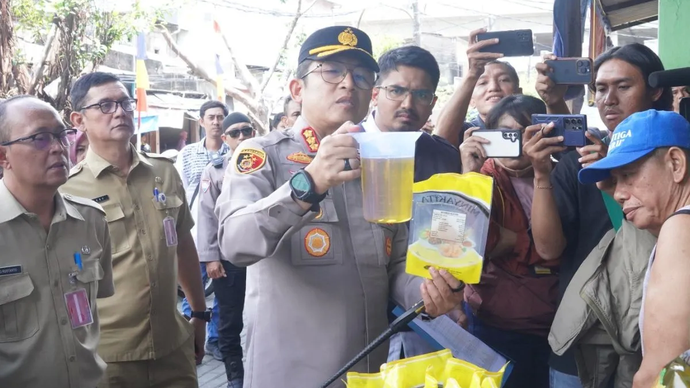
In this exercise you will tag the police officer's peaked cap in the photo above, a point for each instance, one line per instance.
(329, 41)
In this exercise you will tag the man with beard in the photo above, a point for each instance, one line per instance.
(488, 80)
(55, 256)
(404, 98)
(144, 339)
(319, 275)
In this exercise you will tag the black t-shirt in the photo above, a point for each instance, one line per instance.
(434, 155)
(585, 221)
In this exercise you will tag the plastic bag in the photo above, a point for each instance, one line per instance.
(450, 224)
(431, 370)
(675, 375)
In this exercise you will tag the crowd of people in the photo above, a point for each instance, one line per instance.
(583, 284)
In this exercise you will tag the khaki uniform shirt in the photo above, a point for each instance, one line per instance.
(38, 347)
(207, 225)
(317, 283)
(141, 321)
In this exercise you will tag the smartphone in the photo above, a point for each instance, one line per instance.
(571, 71)
(571, 127)
(515, 43)
(504, 143)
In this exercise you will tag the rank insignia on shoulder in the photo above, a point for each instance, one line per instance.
(310, 139)
(299, 157)
(249, 160)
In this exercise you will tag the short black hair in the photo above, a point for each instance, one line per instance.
(302, 70)
(83, 85)
(5, 130)
(512, 73)
(212, 104)
(518, 106)
(276, 120)
(643, 58)
(411, 56)
(287, 102)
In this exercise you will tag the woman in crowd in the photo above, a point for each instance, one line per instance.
(513, 305)
(77, 150)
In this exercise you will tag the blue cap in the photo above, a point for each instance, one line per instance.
(638, 136)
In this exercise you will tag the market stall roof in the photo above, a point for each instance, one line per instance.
(627, 13)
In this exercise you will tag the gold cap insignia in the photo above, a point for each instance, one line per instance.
(347, 38)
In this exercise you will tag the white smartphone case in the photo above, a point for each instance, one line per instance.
(504, 143)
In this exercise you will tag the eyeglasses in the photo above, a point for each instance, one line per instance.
(235, 133)
(398, 93)
(43, 140)
(335, 73)
(107, 107)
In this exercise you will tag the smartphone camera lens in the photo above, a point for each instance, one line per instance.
(579, 121)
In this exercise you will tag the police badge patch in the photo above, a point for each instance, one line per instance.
(249, 160)
(205, 184)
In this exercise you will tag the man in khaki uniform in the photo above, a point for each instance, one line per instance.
(228, 280)
(145, 340)
(55, 258)
(319, 275)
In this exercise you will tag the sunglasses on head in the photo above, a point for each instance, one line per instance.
(235, 133)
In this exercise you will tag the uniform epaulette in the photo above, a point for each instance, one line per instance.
(76, 169)
(83, 201)
(156, 156)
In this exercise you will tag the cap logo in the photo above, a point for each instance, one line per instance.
(347, 38)
(618, 138)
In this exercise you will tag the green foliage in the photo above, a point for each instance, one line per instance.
(99, 27)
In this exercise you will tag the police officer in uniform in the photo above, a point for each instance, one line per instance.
(318, 275)
(55, 258)
(145, 340)
(228, 280)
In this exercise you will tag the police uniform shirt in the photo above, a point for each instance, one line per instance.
(207, 223)
(38, 346)
(141, 321)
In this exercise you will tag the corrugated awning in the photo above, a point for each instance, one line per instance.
(627, 13)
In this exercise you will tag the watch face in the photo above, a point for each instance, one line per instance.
(300, 182)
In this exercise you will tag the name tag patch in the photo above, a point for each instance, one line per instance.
(11, 270)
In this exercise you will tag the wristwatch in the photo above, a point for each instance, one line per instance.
(203, 315)
(304, 189)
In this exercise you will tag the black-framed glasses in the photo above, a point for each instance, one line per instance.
(235, 133)
(398, 93)
(107, 107)
(43, 140)
(335, 72)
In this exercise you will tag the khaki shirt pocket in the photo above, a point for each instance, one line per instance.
(383, 240)
(319, 242)
(119, 240)
(169, 207)
(18, 311)
(89, 276)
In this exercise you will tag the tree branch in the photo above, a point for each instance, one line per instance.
(247, 101)
(244, 75)
(281, 52)
(38, 73)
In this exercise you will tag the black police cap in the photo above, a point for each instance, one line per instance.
(329, 41)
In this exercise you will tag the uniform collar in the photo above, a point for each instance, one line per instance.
(201, 147)
(97, 164)
(306, 135)
(370, 123)
(10, 208)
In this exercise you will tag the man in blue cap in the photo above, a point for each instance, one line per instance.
(290, 210)
(646, 170)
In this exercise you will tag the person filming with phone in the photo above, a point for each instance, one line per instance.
(569, 220)
(513, 305)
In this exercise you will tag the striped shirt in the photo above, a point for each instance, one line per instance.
(191, 162)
